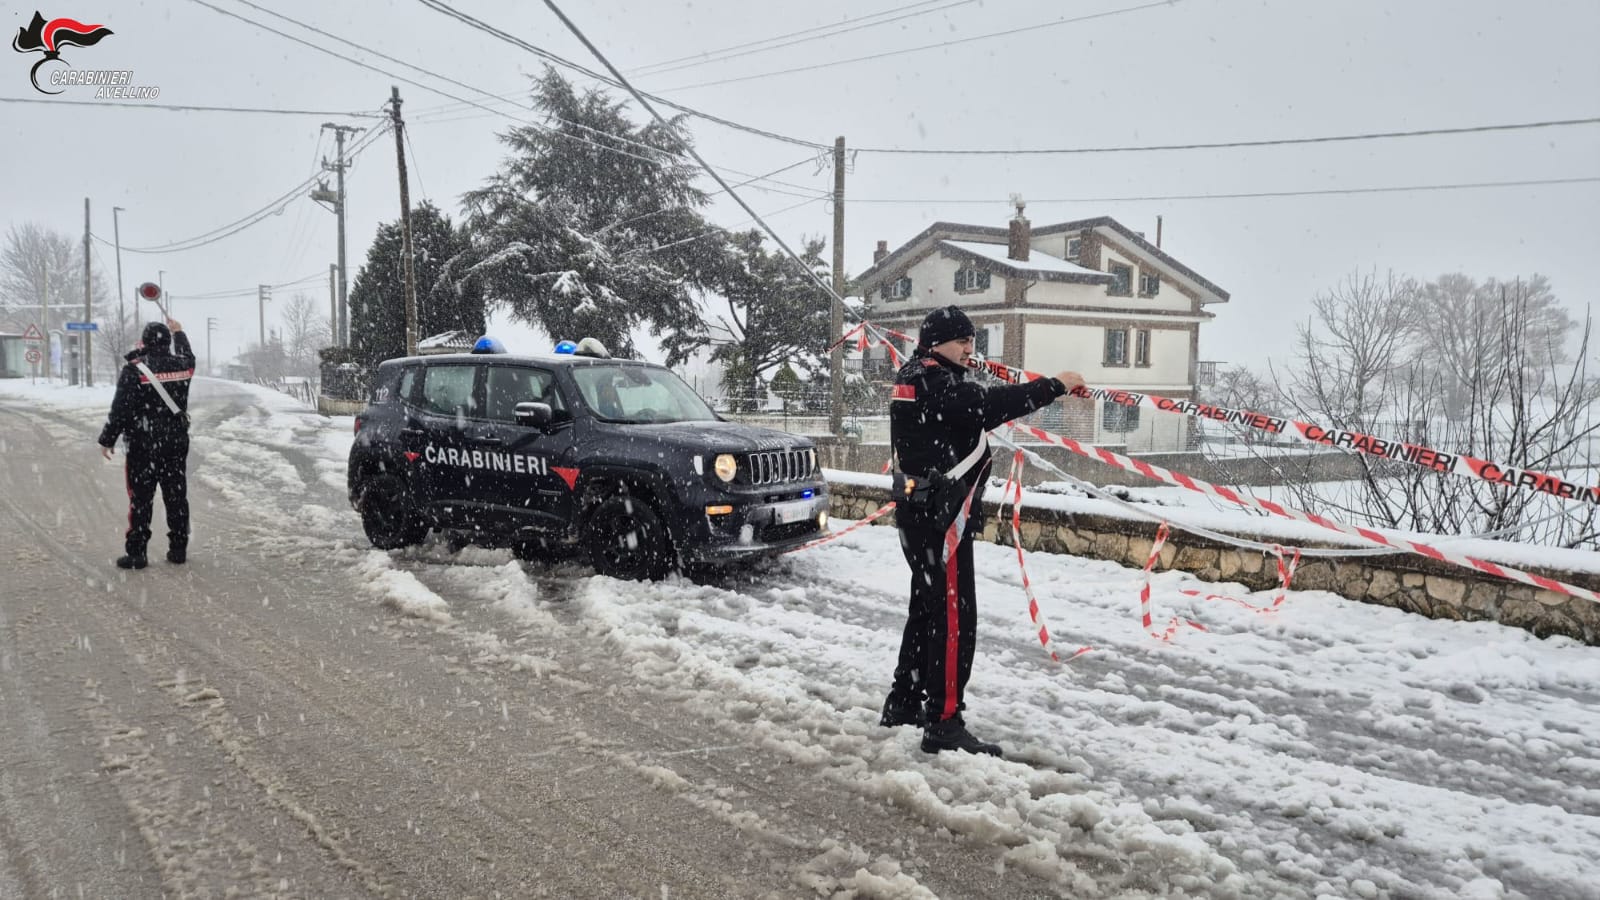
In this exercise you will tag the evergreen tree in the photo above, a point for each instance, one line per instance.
(378, 300)
(775, 315)
(590, 228)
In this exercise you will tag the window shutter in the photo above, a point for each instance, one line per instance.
(983, 280)
(961, 279)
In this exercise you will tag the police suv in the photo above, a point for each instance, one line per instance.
(618, 457)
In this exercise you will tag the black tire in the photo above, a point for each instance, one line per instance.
(626, 539)
(388, 516)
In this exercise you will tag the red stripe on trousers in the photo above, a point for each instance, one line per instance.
(952, 633)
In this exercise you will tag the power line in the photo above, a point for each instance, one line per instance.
(140, 104)
(716, 56)
(416, 165)
(712, 232)
(272, 208)
(469, 87)
(252, 290)
(1257, 194)
(888, 53)
(1272, 142)
(486, 28)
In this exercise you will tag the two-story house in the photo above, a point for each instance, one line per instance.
(1092, 296)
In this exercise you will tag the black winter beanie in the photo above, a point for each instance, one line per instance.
(156, 337)
(947, 323)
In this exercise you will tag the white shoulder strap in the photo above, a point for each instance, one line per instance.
(160, 388)
(966, 464)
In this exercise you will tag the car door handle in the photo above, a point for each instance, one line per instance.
(488, 439)
(412, 430)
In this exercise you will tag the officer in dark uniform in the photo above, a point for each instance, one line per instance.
(938, 424)
(150, 411)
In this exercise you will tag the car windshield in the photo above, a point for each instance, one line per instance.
(639, 395)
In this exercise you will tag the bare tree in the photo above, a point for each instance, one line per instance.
(1352, 346)
(1463, 331)
(305, 330)
(1517, 404)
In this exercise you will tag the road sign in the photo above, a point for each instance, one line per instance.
(82, 326)
(32, 334)
(32, 356)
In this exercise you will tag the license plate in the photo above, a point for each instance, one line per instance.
(784, 513)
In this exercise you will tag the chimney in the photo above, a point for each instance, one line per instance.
(1021, 234)
(880, 253)
(1158, 232)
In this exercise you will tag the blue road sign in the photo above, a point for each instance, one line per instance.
(82, 326)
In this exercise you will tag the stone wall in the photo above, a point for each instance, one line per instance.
(1405, 581)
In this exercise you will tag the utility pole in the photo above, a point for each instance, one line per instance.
(263, 294)
(44, 312)
(211, 325)
(122, 312)
(333, 302)
(341, 335)
(405, 222)
(836, 321)
(88, 312)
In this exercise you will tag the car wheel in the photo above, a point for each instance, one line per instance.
(388, 516)
(627, 539)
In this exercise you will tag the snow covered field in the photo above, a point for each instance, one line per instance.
(1330, 749)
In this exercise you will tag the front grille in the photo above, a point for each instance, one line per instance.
(778, 466)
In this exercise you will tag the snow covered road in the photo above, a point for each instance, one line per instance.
(729, 724)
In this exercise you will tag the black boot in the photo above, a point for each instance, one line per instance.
(132, 562)
(902, 709)
(952, 734)
(177, 555)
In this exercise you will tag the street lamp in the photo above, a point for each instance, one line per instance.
(122, 313)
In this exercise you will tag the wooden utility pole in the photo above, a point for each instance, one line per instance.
(88, 311)
(405, 222)
(836, 321)
(333, 301)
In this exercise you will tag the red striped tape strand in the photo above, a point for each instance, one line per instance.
(1014, 482)
(1145, 616)
(845, 337)
(1157, 473)
(1458, 464)
(875, 514)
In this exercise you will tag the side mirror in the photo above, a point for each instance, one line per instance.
(534, 415)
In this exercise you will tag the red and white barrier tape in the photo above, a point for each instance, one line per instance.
(1458, 464)
(1014, 482)
(1117, 460)
(875, 514)
(1286, 571)
(1146, 618)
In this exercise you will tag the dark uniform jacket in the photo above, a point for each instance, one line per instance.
(137, 410)
(937, 417)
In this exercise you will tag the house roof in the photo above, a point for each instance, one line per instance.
(965, 235)
(1036, 264)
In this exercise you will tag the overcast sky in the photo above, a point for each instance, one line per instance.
(1184, 72)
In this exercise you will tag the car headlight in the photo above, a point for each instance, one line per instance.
(725, 466)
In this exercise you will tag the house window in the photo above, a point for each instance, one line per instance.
(1149, 284)
(1074, 248)
(1141, 347)
(899, 289)
(1121, 280)
(968, 280)
(1118, 419)
(990, 342)
(1116, 347)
